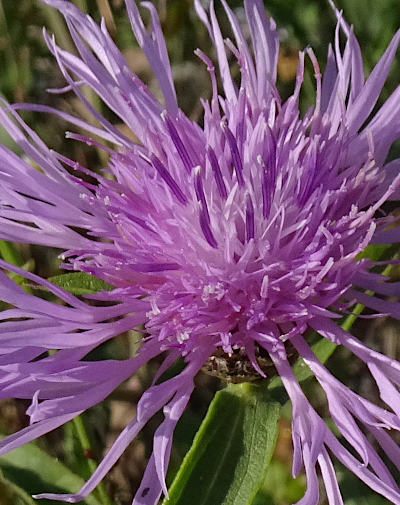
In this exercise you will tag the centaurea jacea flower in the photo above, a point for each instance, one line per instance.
(238, 236)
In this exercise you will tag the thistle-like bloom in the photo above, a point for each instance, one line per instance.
(235, 237)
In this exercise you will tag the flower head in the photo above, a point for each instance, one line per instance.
(229, 239)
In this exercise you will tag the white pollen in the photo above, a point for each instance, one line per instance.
(264, 287)
(216, 291)
(154, 309)
(152, 313)
(182, 336)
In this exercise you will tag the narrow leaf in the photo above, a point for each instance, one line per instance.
(10, 253)
(227, 462)
(34, 471)
(377, 252)
(80, 283)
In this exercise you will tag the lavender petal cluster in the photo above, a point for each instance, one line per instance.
(243, 233)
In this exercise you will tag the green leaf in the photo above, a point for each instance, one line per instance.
(34, 471)
(230, 454)
(80, 283)
(10, 253)
(374, 252)
(11, 493)
(279, 485)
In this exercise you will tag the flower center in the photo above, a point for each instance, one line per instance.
(236, 367)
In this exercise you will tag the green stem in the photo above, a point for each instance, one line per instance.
(350, 320)
(84, 441)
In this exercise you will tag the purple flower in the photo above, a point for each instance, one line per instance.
(237, 236)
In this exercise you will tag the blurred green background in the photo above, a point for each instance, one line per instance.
(26, 71)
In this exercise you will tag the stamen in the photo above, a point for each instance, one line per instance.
(88, 141)
(198, 186)
(204, 215)
(65, 89)
(318, 79)
(249, 219)
(187, 162)
(211, 71)
(241, 115)
(206, 229)
(266, 188)
(270, 146)
(309, 171)
(264, 287)
(153, 267)
(217, 173)
(237, 162)
(168, 179)
(299, 76)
